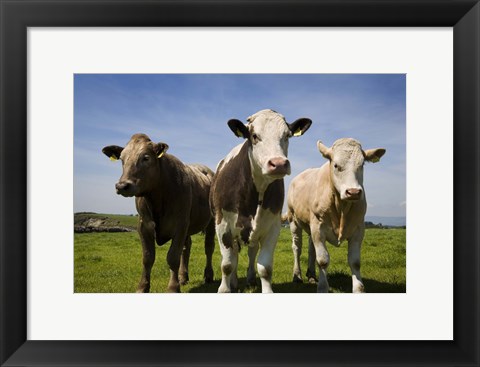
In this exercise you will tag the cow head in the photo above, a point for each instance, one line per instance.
(346, 166)
(140, 164)
(268, 132)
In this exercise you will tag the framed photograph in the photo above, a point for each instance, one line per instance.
(79, 79)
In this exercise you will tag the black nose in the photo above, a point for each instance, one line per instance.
(123, 186)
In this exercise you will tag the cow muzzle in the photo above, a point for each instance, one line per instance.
(353, 194)
(278, 166)
(125, 188)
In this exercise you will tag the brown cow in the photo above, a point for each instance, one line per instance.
(172, 204)
(329, 204)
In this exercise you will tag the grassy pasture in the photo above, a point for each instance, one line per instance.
(111, 263)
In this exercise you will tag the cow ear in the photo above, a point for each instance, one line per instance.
(298, 127)
(113, 152)
(374, 155)
(160, 149)
(239, 128)
(326, 151)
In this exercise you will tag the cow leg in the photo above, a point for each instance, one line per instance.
(322, 257)
(312, 278)
(354, 249)
(146, 230)
(173, 260)
(209, 248)
(265, 258)
(184, 260)
(233, 275)
(296, 231)
(229, 266)
(252, 257)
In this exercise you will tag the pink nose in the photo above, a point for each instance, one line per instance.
(353, 194)
(278, 166)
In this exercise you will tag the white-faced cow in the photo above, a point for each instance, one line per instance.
(329, 204)
(172, 204)
(248, 192)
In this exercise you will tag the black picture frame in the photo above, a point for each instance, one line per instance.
(17, 15)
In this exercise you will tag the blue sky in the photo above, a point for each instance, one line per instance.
(189, 112)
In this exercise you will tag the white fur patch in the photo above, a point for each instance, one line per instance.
(262, 224)
(272, 134)
(228, 223)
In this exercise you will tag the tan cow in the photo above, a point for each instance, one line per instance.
(329, 204)
(172, 203)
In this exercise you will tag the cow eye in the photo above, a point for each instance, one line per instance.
(255, 137)
(337, 167)
(146, 157)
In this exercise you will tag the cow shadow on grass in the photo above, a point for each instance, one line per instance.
(339, 282)
(205, 287)
(213, 287)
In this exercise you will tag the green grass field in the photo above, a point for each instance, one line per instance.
(111, 263)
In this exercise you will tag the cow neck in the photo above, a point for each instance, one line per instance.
(236, 190)
(270, 192)
(165, 186)
(259, 181)
(339, 212)
(248, 169)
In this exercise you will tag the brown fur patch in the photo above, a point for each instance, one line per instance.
(227, 239)
(274, 196)
(218, 217)
(233, 190)
(246, 225)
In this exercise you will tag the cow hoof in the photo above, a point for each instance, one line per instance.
(297, 279)
(251, 279)
(208, 276)
(312, 280)
(143, 288)
(183, 279)
(311, 274)
(359, 289)
(223, 290)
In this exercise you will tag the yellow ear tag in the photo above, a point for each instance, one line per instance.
(161, 154)
(298, 133)
(239, 134)
(375, 159)
(113, 158)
